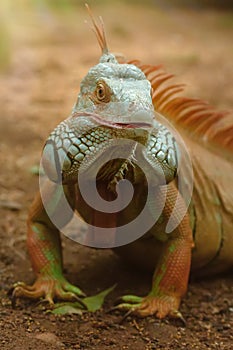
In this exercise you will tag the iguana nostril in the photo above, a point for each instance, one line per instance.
(51, 162)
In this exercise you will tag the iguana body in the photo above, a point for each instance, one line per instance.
(209, 219)
(208, 134)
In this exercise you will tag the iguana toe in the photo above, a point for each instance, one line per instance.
(48, 289)
(159, 306)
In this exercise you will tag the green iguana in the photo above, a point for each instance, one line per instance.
(117, 102)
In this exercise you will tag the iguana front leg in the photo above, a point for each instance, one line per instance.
(171, 275)
(44, 246)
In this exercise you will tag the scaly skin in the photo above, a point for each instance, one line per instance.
(44, 246)
(171, 275)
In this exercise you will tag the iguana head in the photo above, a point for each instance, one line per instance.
(113, 113)
(119, 93)
(116, 92)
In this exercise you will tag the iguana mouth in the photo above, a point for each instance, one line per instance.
(117, 125)
(132, 125)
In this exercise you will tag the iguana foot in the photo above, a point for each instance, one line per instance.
(49, 289)
(160, 306)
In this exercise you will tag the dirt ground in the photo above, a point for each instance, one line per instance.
(50, 53)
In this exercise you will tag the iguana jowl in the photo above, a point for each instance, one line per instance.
(109, 107)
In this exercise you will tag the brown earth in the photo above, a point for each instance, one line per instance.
(50, 53)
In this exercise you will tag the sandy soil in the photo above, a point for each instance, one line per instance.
(50, 54)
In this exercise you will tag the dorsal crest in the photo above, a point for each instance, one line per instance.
(197, 118)
(99, 31)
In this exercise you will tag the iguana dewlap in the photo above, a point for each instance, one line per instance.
(94, 127)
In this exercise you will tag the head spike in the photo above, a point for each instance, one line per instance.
(99, 31)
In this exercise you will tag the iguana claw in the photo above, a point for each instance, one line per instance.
(160, 306)
(48, 289)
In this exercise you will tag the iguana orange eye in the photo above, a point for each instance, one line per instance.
(151, 91)
(100, 91)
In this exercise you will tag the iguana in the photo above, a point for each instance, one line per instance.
(116, 102)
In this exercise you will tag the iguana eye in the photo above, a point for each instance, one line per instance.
(102, 92)
(151, 91)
